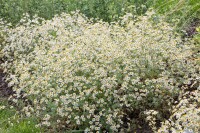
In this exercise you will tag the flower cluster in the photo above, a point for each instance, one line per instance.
(185, 115)
(92, 76)
(3, 30)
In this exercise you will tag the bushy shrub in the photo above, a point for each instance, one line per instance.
(89, 76)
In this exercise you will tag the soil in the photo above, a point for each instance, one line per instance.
(5, 91)
(191, 28)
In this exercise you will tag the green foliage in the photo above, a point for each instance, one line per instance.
(196, 49)
(11, 122)
(108, 10)
(179, 12)
(197, 36)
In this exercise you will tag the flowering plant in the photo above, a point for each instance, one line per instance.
(93, 76)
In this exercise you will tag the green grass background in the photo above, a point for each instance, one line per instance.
(108, 10)
(19, 125)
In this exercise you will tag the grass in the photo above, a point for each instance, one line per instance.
(108, 10)
(177, 12)
(10, 122)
